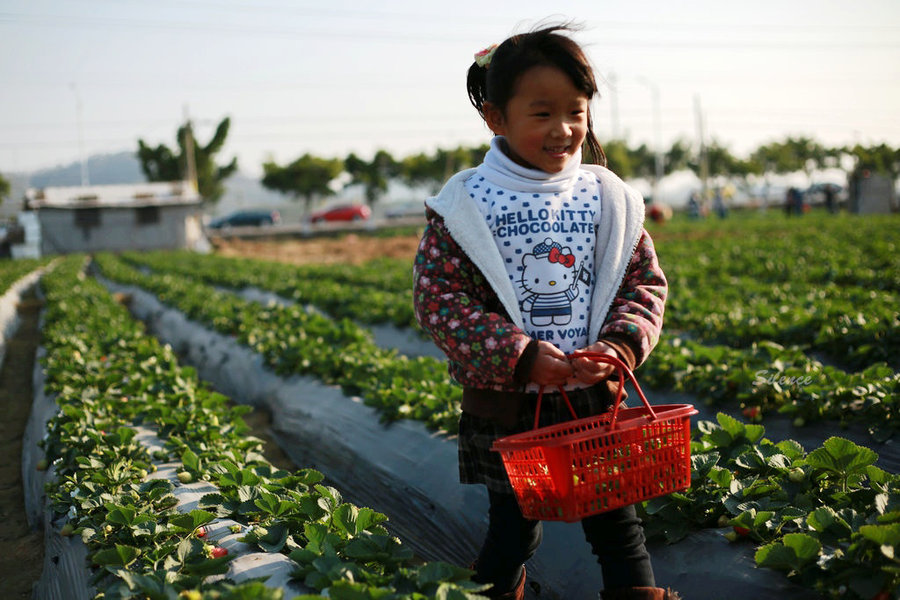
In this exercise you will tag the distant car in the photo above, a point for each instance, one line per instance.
(400, 210)
(342, 212)
(246, 218)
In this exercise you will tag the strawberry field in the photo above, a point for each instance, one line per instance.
(773, 325)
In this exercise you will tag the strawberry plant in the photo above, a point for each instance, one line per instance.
(110, 380)
(12, 271)
(828, 518)
(295, 341)
(379, 291)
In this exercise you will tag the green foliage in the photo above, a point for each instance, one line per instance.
(373, 175)
(627, 161)
(4, 188)
(106, 375)
(829, 519)
(750, 297)
(878, 159)
(163, 164)
(721, 162)
(308, 176)
(793, 154)
(434, 169)
(12, 270)
(294, 340)
(800, 317)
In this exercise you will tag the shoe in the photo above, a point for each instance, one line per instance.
(640, 593)
(517, 593)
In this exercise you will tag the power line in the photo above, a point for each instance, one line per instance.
(445, 17)
(395, 37)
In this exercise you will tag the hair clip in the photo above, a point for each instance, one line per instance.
(483, 58)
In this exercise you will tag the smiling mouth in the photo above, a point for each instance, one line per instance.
(557, 149)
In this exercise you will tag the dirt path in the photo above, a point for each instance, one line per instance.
(348, 249)
(22, 559)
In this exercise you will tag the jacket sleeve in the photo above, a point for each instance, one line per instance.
(455, 305)
(635, 318)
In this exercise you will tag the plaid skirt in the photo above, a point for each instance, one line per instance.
(479, 464)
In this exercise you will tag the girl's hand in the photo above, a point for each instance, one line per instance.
(551, 366)
(589, 371)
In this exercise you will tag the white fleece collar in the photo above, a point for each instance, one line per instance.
(620, 231)
(499, 169)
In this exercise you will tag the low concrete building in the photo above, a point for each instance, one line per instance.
(145, 216)
(872, 193)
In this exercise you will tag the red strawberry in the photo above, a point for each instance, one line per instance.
(201, 532)
(219, 552)
(741, 531)
(752, 412)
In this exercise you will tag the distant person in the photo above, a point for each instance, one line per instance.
(830, 198)
(694, 206)
(526, 259)
(793, 203)
(719, 204)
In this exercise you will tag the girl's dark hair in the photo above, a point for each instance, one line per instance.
(496, 83)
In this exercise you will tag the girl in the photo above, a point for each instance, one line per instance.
(526, 259)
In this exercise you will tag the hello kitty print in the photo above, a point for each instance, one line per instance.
(546, 240)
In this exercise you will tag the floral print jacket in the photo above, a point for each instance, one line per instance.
(456, 304)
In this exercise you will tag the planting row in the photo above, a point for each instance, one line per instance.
(761, 377)
(378, 292)
(293, 340)
(109, 380)
(829, 518)
(13, 270)
(829, 286)
(850, 250)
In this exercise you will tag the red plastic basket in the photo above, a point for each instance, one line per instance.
(572, 470)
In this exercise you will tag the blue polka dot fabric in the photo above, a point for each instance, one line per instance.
(546, 240)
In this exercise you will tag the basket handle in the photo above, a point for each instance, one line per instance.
(623, 372)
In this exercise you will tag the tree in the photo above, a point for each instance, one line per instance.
(627, 161)
(307, 176)
(374, 175)
(722, 162)
(4, 189)
(163, 164)
(678, 157)
(433, 170)
(793, 154)
(878, 159)
(618, 158)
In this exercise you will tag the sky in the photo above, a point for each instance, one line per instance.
(85, 77)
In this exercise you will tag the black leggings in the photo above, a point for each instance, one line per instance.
(616, 538)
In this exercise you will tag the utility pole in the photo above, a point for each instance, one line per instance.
(614, 105)
(191, 175)
(79, 116)
(704, 162)
(657, 131)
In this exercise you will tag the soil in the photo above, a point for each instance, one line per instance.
(23, 560)
(346, 249)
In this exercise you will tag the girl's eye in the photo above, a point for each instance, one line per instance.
(537, 280)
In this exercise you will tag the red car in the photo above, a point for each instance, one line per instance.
(342, 212)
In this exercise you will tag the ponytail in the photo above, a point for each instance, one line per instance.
(476, 84)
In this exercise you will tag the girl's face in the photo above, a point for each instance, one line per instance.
(544, 122)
